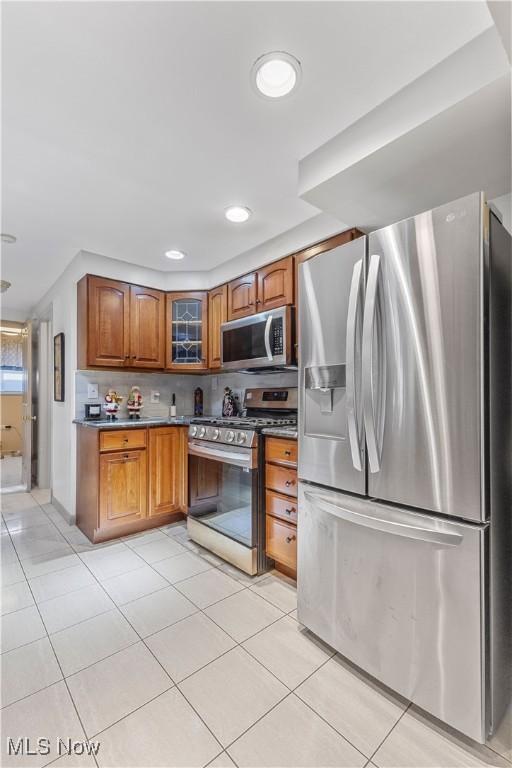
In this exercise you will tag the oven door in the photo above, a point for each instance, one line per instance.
(259, 341)
(223, 491)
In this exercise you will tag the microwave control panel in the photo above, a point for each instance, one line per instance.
(277, 336)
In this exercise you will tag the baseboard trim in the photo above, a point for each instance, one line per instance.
(61, 509)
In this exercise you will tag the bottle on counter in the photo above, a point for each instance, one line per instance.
(172, 409)
(229, 407)
(198, 402)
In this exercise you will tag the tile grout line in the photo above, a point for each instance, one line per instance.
(388, 734)
(164, 670)
(200, 610)
(237, 645)
(60, 668)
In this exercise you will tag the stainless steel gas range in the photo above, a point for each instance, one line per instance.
(226, 458)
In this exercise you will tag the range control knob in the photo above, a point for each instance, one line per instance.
(230, 436)
(241, 437)
(193, 431)
(215, 434)
(202, 431)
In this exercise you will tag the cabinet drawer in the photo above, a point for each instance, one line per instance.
(281, 451)
(281, 479)
(281, 506)
(122, 439)
(282, 542)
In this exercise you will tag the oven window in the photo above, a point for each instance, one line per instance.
(223, 497)
(244, 343)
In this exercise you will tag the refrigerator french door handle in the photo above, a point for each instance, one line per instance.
(407, 530)
(369, 415)
(350, 391)
(268, 326)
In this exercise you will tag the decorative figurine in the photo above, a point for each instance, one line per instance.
(229, 407)
(112, 401)
(198, 402)
(134, 403)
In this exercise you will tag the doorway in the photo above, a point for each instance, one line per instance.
(13, 382)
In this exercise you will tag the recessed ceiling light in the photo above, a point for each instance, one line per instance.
(237, 213)
(5, 238)
(175, 255)
(276, 74)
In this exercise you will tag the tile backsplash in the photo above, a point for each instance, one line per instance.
(238, 382)
(164, 383)
(167, 383)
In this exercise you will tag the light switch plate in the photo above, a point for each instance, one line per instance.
(92, 391)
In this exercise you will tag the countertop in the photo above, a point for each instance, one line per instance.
(126, 423)
(289, 432)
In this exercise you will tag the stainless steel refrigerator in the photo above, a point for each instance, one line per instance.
(405, 459)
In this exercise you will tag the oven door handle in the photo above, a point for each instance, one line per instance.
(226, 457)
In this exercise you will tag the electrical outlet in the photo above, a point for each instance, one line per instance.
(155, 396)
(92, 391)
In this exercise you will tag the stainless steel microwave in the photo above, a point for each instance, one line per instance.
(262, 341)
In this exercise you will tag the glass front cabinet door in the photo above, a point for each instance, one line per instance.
(187, 316)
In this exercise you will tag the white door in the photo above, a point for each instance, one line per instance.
(26, 468)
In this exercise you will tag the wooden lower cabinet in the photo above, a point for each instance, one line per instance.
(129, 479)
(281, 479)
(167, 470)
(123, 488)
(282, 542)
(281, 503)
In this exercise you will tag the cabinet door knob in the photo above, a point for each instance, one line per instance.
(289, 539)
(288, 483)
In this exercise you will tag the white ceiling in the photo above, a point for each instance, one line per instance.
(127, 128)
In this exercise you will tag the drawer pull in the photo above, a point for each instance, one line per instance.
(290, 511)
(289, 539)
(288, 483)
(126, 456)
(287, 453)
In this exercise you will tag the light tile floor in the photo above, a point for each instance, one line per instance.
(168, 656)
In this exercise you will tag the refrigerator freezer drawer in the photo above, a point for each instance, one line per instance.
(400, 594)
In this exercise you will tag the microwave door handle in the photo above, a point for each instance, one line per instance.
(353, 308)
(412, 530)
(268, 326)
(367, 363)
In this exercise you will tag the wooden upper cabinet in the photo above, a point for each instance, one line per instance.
(106, 332)
(123, 488)
(187, 331)
(167, 470)
(217, 314)
(242, 296)
(120, 325)
(147, 328)
(275, 285)
(268, 288)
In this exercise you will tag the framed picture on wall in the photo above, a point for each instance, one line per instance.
(58, 367)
